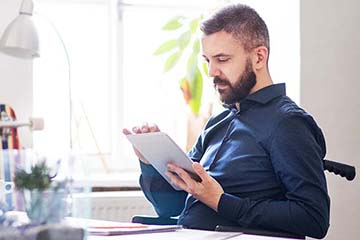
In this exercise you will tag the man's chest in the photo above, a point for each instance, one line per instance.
(235, 156)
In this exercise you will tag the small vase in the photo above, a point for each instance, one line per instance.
(45, 206)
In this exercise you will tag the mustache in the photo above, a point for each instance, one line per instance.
(218, 80)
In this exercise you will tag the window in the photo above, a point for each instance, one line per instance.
(116, 81)
(84, 26)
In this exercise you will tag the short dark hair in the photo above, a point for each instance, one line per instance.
(243, 22)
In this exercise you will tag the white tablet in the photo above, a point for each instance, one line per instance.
(159, 149)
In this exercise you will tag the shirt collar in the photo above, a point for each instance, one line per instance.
(263, 95)
(268, 93)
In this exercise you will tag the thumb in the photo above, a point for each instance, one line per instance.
(200, 171)
(126, 131)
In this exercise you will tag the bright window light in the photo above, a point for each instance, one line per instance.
(116, 80)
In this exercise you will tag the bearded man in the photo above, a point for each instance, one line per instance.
(260, 160)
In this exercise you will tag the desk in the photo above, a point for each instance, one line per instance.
(180, 234)
(187, 234)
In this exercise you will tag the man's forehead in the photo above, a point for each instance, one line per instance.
(219, 43)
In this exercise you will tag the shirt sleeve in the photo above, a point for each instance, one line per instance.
(296, 149)
(166, 201)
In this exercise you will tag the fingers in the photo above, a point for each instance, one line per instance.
(200, 171)
(176, 180)
(208, 191)
(126, 131)
(182, 178)
(136, 130)
(154, 128)
(144, 128)
(181, 173)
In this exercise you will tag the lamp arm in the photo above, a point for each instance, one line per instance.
(69, 72)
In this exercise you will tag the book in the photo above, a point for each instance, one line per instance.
(129, 228)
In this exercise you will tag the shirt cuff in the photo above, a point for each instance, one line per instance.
(231, 207)
(147, 169)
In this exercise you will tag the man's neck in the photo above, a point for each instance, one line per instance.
(262, 80)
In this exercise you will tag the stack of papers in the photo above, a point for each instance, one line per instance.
(128, 228)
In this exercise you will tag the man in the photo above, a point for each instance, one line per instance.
(260, 160)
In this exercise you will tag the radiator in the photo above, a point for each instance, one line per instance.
(112, 206)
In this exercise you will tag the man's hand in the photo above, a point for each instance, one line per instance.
(145, 128)
(207, 191)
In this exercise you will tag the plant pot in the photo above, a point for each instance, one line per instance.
(45, 206)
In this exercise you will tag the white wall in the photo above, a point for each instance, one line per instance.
(15, 75)
(330, 85)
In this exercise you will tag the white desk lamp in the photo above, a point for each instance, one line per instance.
(20, 38)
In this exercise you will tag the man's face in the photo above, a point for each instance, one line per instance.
(229, 65)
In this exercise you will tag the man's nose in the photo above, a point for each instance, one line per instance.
(213, 70)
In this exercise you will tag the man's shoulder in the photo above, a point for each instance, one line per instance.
(287, 111)
(284, 107)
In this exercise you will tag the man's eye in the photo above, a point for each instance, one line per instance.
(223, 59)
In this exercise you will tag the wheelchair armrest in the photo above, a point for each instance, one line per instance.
(341, 169)
(220, 228)
(154, 220)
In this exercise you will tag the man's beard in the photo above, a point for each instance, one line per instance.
(241, 88)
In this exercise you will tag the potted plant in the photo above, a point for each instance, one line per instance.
(186, 46)
(44, 198)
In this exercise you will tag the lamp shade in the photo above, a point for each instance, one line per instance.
(20, 38)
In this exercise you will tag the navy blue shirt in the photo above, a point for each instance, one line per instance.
(267, 156)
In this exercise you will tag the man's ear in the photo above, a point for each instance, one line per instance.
(260, 57)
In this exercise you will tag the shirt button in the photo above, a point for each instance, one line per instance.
(186, 212)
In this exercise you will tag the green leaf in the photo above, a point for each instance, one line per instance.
(194, 25)
(196, 46)
(196, 87)
(184, 39)
(171, 61)
(38, 178)
(192, 66)
(166, 46)
(205, 68)
(173, 24)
